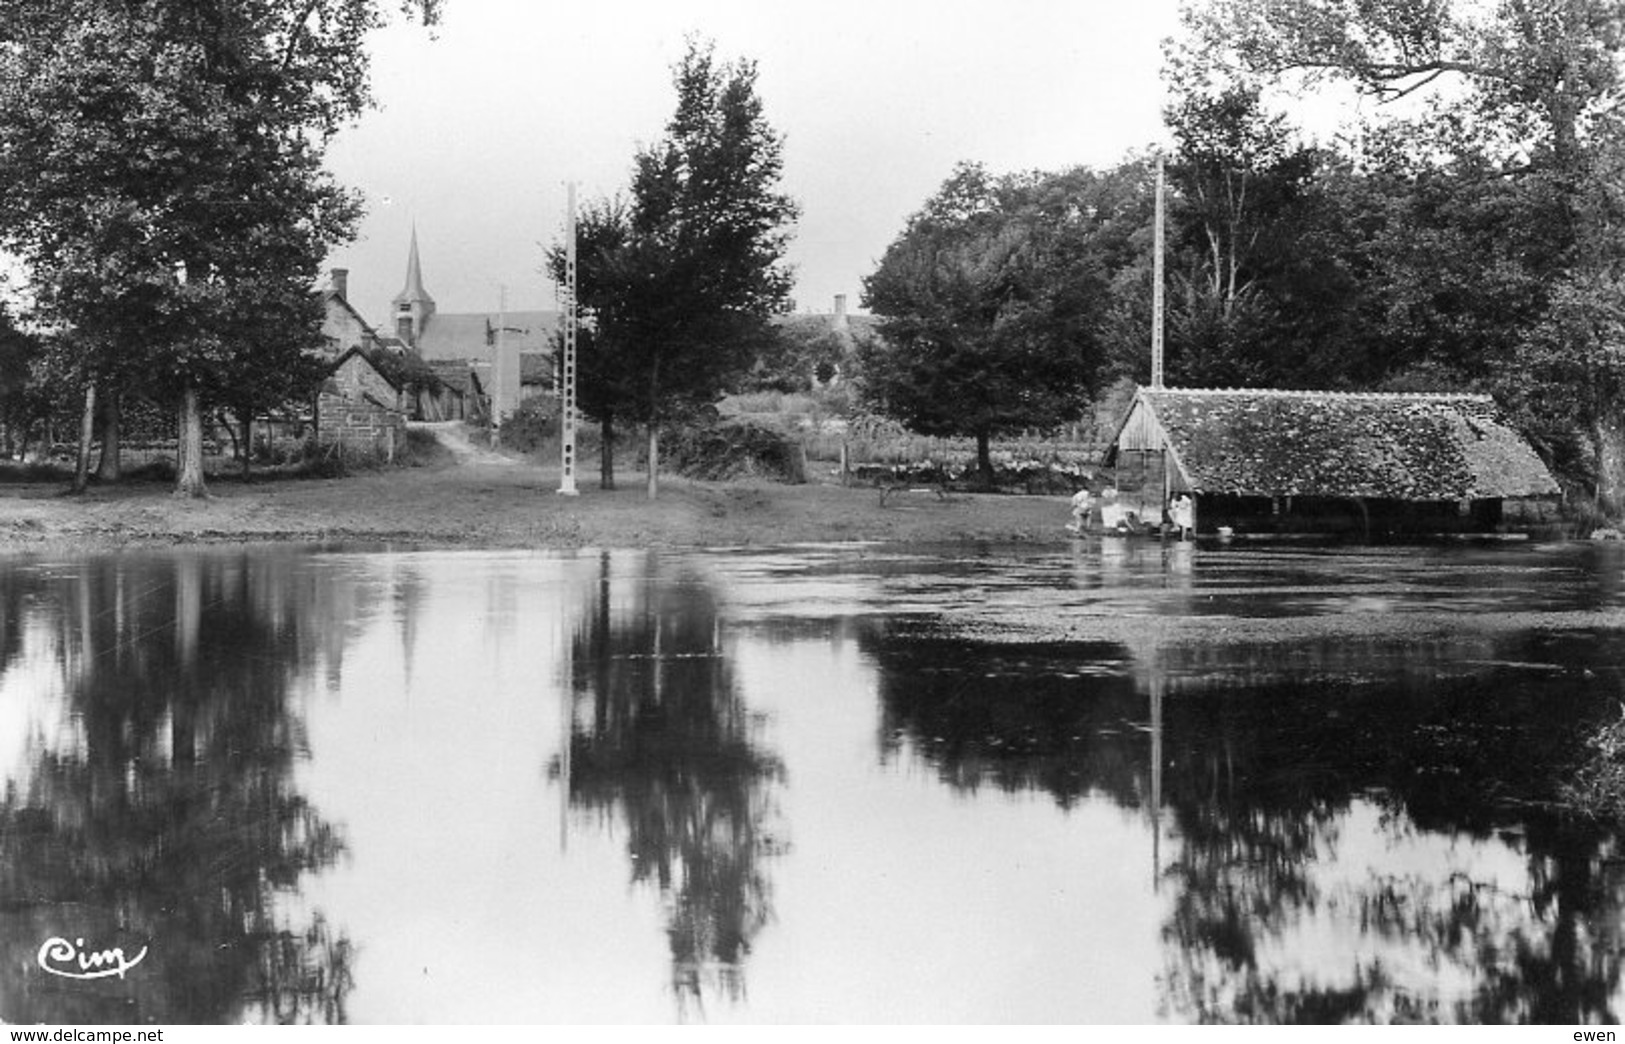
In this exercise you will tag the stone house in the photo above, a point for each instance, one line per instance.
(359, 409)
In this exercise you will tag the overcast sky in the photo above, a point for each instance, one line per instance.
(483, 122)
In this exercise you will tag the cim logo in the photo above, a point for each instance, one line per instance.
(71, 960)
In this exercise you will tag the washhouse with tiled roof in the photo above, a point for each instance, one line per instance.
(1307, 460)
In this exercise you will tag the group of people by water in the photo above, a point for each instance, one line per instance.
(1120, 516)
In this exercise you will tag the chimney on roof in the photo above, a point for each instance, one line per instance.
(840, 309)
(340, 278)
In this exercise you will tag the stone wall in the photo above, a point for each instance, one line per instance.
(359, 426)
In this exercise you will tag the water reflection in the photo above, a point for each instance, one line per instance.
(520, 788)
(665, 743)
(1371, 846)
(155, 807)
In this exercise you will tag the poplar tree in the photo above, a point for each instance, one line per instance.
(681, 290)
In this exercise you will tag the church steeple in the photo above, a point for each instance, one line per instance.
(413, 305)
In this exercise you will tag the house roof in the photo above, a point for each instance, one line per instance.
(1337, 444)
(535, 368)
(470, 335)
(812, 324)
(331, 296)
(356, 353)
(455, 374)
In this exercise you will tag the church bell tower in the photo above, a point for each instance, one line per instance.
(413, 305)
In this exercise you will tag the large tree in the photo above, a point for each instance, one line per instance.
(682, 286)
(988, 304)
(161, 167)
(1478, 222)
(1541, 72)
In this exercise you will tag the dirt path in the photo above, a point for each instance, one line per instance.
(454, 436)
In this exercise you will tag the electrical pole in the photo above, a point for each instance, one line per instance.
(1156, 288)
(567, 368)
(497, 357)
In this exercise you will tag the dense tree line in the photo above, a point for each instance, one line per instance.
(1468, 244)
(164, 189)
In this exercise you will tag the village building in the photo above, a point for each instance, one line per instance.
(507, 355)
(359, 409)
(343, 328)
(1284, 461)
(457, 394)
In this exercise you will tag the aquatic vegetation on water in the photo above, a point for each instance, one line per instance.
(1598, 789)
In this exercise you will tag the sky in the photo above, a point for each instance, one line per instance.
(483, 121)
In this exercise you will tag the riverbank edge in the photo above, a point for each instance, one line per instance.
(509, 507)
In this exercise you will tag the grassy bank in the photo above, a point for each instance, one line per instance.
(515, 505)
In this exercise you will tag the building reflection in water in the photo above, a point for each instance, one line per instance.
(1346, 831)
(662, 741)
(154, 805)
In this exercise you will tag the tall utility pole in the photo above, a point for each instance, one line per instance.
(498, 357)
(567, 369)
(1156, 288)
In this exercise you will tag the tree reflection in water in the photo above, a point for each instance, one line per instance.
(1361, 832)
(164, 814)
(665, 741)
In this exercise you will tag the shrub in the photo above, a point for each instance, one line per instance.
(422, 449)
(529, 427)
(727, 448)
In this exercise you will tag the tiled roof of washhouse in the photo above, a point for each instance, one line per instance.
(1400, 446)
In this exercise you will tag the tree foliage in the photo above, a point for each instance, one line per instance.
(987, 304)
(1545, 69)
(161, 167)
(1465, 240)
(681, 281)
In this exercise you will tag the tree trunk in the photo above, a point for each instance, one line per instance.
(606, 452)
(87, 431)
(1608, 454)
(984, 459)
(247, 446)
(110, 468)
(189, 448)
(654, 459)
(654, 428)
(231, 429)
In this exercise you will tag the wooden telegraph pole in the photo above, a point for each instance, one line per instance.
(1156, 287)
(567, 370)
(1156, 330)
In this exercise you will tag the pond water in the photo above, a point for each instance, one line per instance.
(1099, 783)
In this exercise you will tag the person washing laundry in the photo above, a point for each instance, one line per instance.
(1183, 516)
(1082, 504)
(1116, 516)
